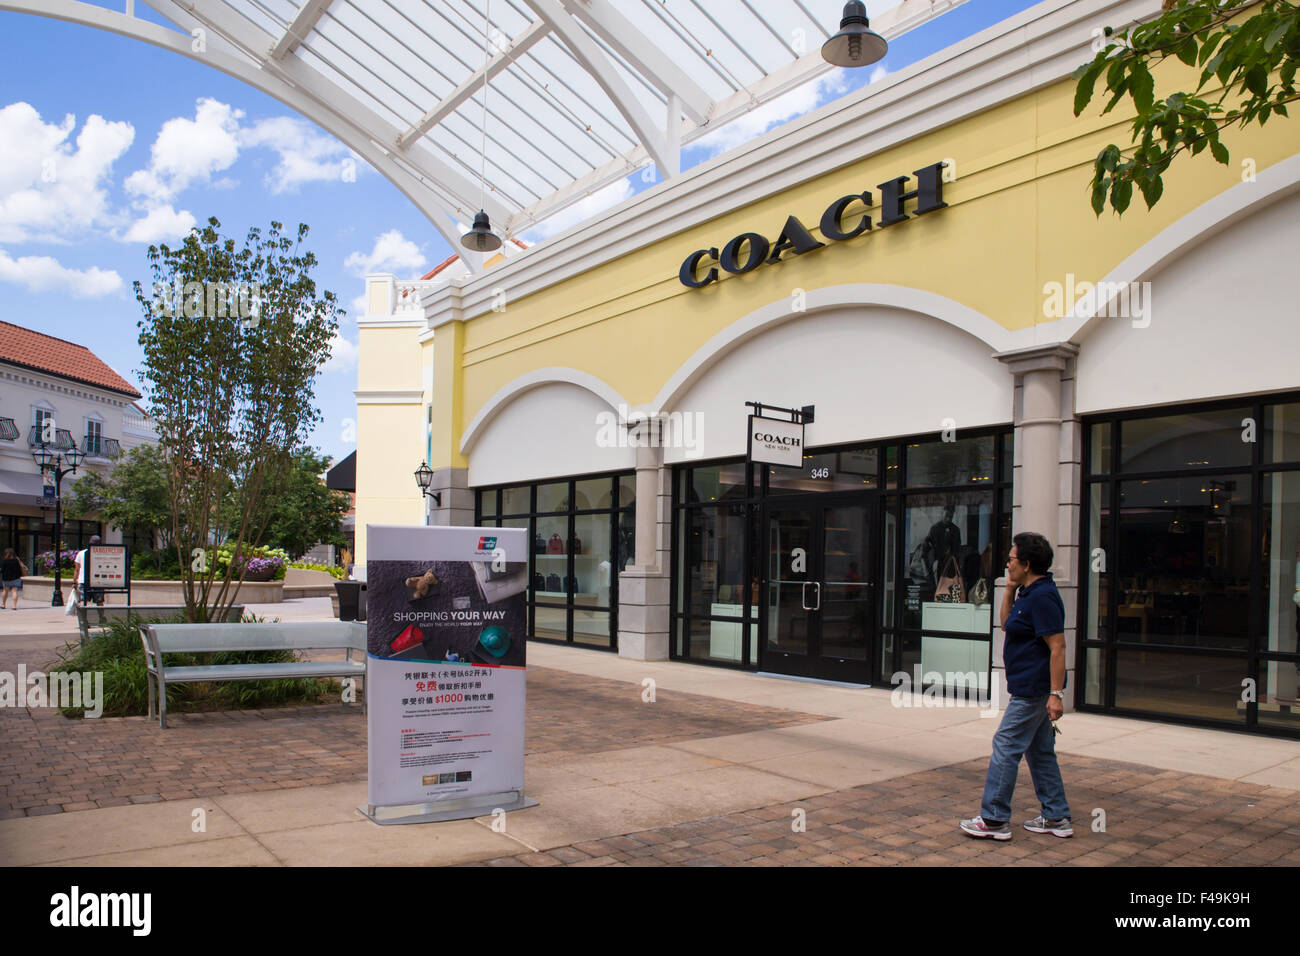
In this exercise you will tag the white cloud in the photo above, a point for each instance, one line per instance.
(50, 191)
(306, 155)
(187, 152)
(802, 99)
(42, 273)
(358, 306)
(392, 252)
(161, 223)
(581, 211)
(343, 355)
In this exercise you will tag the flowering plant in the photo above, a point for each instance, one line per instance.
(45, 561)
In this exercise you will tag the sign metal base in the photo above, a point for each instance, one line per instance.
(466, 809)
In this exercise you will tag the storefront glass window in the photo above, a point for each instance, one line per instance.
(827, 471)
(714, 561)
(1183, 561)
(516, 501)
(1180, 683)
(553, 497)
(627, 491)
(1099, 447)
(717, 482)
(577, 546)
(1199, 572)
(1281, 522)
(1281, 439)
(1279, 694)
(948, 545)
(593, 493)
(965, 461)
(488, 502)
(1191, 440)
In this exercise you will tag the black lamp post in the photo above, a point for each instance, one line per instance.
(424, 478)
(52, 460)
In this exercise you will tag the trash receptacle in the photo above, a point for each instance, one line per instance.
(352, 600)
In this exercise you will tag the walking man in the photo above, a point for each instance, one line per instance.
(1033, 621)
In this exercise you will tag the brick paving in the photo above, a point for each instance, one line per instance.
(50, 764)
(1152, 818)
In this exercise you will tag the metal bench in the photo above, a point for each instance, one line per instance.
(160, 639)
(91, 615)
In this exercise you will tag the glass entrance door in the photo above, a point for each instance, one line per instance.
(820, 575)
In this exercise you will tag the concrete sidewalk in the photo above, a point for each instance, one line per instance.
(888, 780)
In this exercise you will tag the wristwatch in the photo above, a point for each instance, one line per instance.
(1059, 693)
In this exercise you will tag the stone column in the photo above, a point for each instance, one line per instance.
(457, 506)
(1048, 450)
(643, 587)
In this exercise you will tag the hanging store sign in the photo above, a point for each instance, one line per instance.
(749, 250)
(773, 441)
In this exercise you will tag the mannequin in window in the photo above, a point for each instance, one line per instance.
(943, 540)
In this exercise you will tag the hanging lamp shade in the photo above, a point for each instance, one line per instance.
(481, 238)
(856, 44)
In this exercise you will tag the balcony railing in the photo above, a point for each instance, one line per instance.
(9, 430)
(409, 294)
(112, 449)
(62, 438)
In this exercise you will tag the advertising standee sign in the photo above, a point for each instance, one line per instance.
(774, 441)
(445, 679)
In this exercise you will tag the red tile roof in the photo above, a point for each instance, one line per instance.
(45, 353)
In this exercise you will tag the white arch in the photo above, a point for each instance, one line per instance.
(526, 383)
(819, 300)
(1180, 237)
(350, 122)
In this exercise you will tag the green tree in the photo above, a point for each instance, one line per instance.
(233, 339)
(306, 512)
(133, 496)
(1247, 52)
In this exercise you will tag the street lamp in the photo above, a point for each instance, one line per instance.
(856, 44)
(424, 478)
(52, 460)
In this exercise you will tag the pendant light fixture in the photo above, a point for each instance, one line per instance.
(856, 44)
(481, 238)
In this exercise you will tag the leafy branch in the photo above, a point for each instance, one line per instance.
(1250, 48)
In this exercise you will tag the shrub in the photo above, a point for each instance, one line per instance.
(118, 652)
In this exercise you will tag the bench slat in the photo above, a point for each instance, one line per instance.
(203, 638)
(223, 672)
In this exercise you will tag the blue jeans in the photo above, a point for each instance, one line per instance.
(1025, 731)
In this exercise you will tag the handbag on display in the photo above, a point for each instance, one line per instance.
(555, 545)
(571, 585)
(553, 582)
(979, 594)
(539, 545)
(576, 545)
(917, 570)
(950, 588)
(539, 581)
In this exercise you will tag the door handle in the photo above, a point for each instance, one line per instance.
(803, 596)
(818, 605)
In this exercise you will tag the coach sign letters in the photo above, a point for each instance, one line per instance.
(749, 250)
(775, 442)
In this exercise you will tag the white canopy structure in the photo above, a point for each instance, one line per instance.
(582, 92)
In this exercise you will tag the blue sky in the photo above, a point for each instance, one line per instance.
(108, 144)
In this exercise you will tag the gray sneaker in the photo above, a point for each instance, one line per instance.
(976, 827)
(1040, 824)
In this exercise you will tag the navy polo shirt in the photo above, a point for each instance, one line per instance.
(1038, 612)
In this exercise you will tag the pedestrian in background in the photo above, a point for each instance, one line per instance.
(11, 578)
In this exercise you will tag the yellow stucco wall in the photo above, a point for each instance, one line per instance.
(1018, 218)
